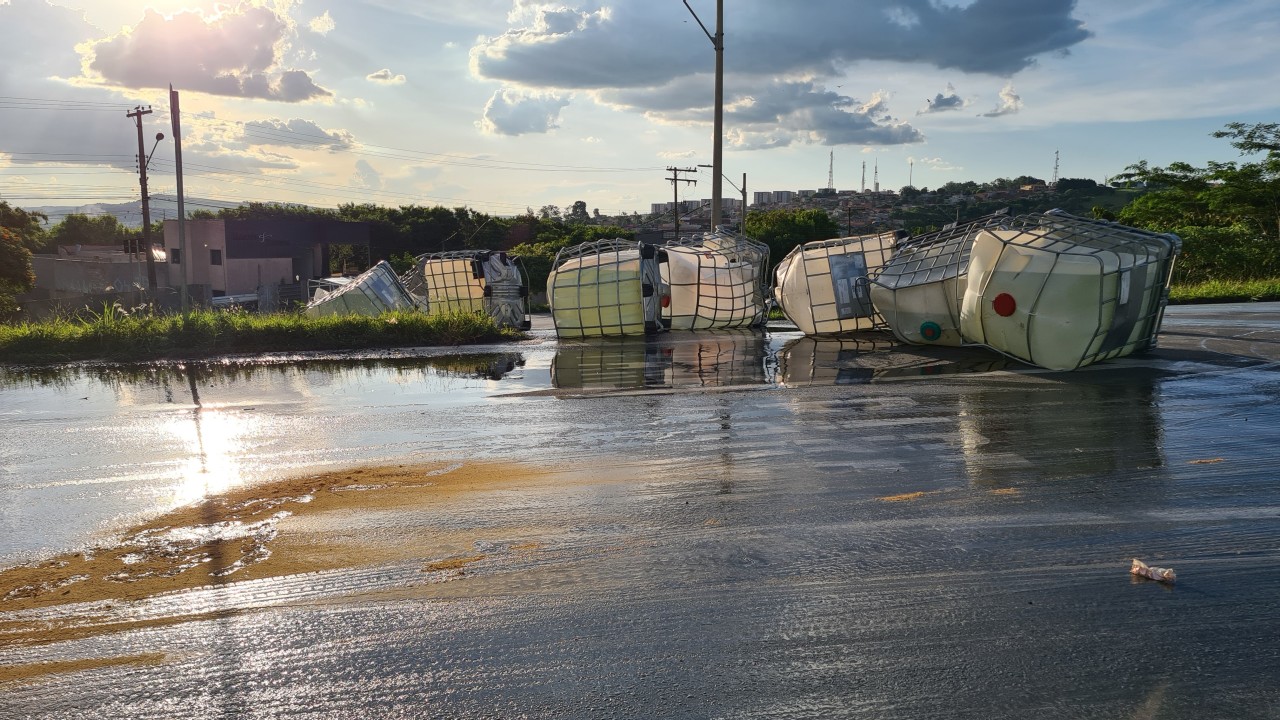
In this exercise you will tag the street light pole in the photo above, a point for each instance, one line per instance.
(717, 156)
(742, 190)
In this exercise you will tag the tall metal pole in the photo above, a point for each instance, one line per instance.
(743, 226)
(717, 155)
(137, 114)
(184, 260)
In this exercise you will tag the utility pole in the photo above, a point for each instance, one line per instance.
(717, 150)
(675, 184)
(185, 261)
(137, 114)
(742, 226)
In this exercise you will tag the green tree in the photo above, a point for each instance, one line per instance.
(1066, 184)
(538, 257)
(16, 275)
(28, 225)
(79, 229)
(578, 214)
(1250, 139)
(782, 230)
(1227, 213)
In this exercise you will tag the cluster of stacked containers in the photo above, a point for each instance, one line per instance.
(1049, 289)
(618, 287)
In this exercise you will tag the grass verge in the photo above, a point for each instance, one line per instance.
(116, 336)
(1221, 291)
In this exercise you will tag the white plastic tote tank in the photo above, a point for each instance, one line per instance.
(471, 281)
(919, 290)
(1062, 292)
(605, 288)
(824, 286)
(715, 281)
(373, 292)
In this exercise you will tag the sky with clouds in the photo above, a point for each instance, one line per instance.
(505, 105)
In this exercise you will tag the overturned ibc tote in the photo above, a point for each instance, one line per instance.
(471, 281)
(1052, 290)
(620, 287)
(824, 287)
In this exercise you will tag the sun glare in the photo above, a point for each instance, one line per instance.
(214, 444)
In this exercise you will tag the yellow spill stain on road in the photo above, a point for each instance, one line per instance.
(275, 529)
(1209, 461)
(456, 563)
(904, 497)
(34, 671)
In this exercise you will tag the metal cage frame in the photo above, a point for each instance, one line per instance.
(506, 302)
(720, 255)
(843, 265)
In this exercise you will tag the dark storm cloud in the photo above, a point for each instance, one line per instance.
(943, 103)
(655, 59)
(632, 44)
(237, 54)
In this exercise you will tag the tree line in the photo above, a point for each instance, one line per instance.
(1227, 214)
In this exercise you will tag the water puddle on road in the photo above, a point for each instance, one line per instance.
(285, 528)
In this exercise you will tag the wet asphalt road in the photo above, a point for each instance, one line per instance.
(806, 531)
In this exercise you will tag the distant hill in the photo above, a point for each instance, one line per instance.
(130, 214)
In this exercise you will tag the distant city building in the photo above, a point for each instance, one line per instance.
(807, 193)
(763, 198)
(783, 196)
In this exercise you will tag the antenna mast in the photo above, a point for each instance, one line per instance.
(831, 171)
(1055, 168)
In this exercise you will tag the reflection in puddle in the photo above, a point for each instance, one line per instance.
(1104, 429)
(853, 360)
(670, 360)
(479, 366)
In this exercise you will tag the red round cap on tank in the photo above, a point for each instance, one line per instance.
(1004, 305)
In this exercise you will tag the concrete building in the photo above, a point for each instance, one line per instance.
(236, 257)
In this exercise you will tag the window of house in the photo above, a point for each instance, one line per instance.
(175, 256)
(215, 257)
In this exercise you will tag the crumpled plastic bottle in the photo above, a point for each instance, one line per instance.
(1155, 573)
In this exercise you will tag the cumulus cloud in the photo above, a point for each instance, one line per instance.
(627, 55)
(295, 132)
(942, 103)
(1010, 102)
(775, 113)
(385, 77)
(237, 53)
(322, 25)
(513, 112)
(937, 164)
(40, 38)
(366, 176)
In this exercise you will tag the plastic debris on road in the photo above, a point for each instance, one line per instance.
(1165, 575)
